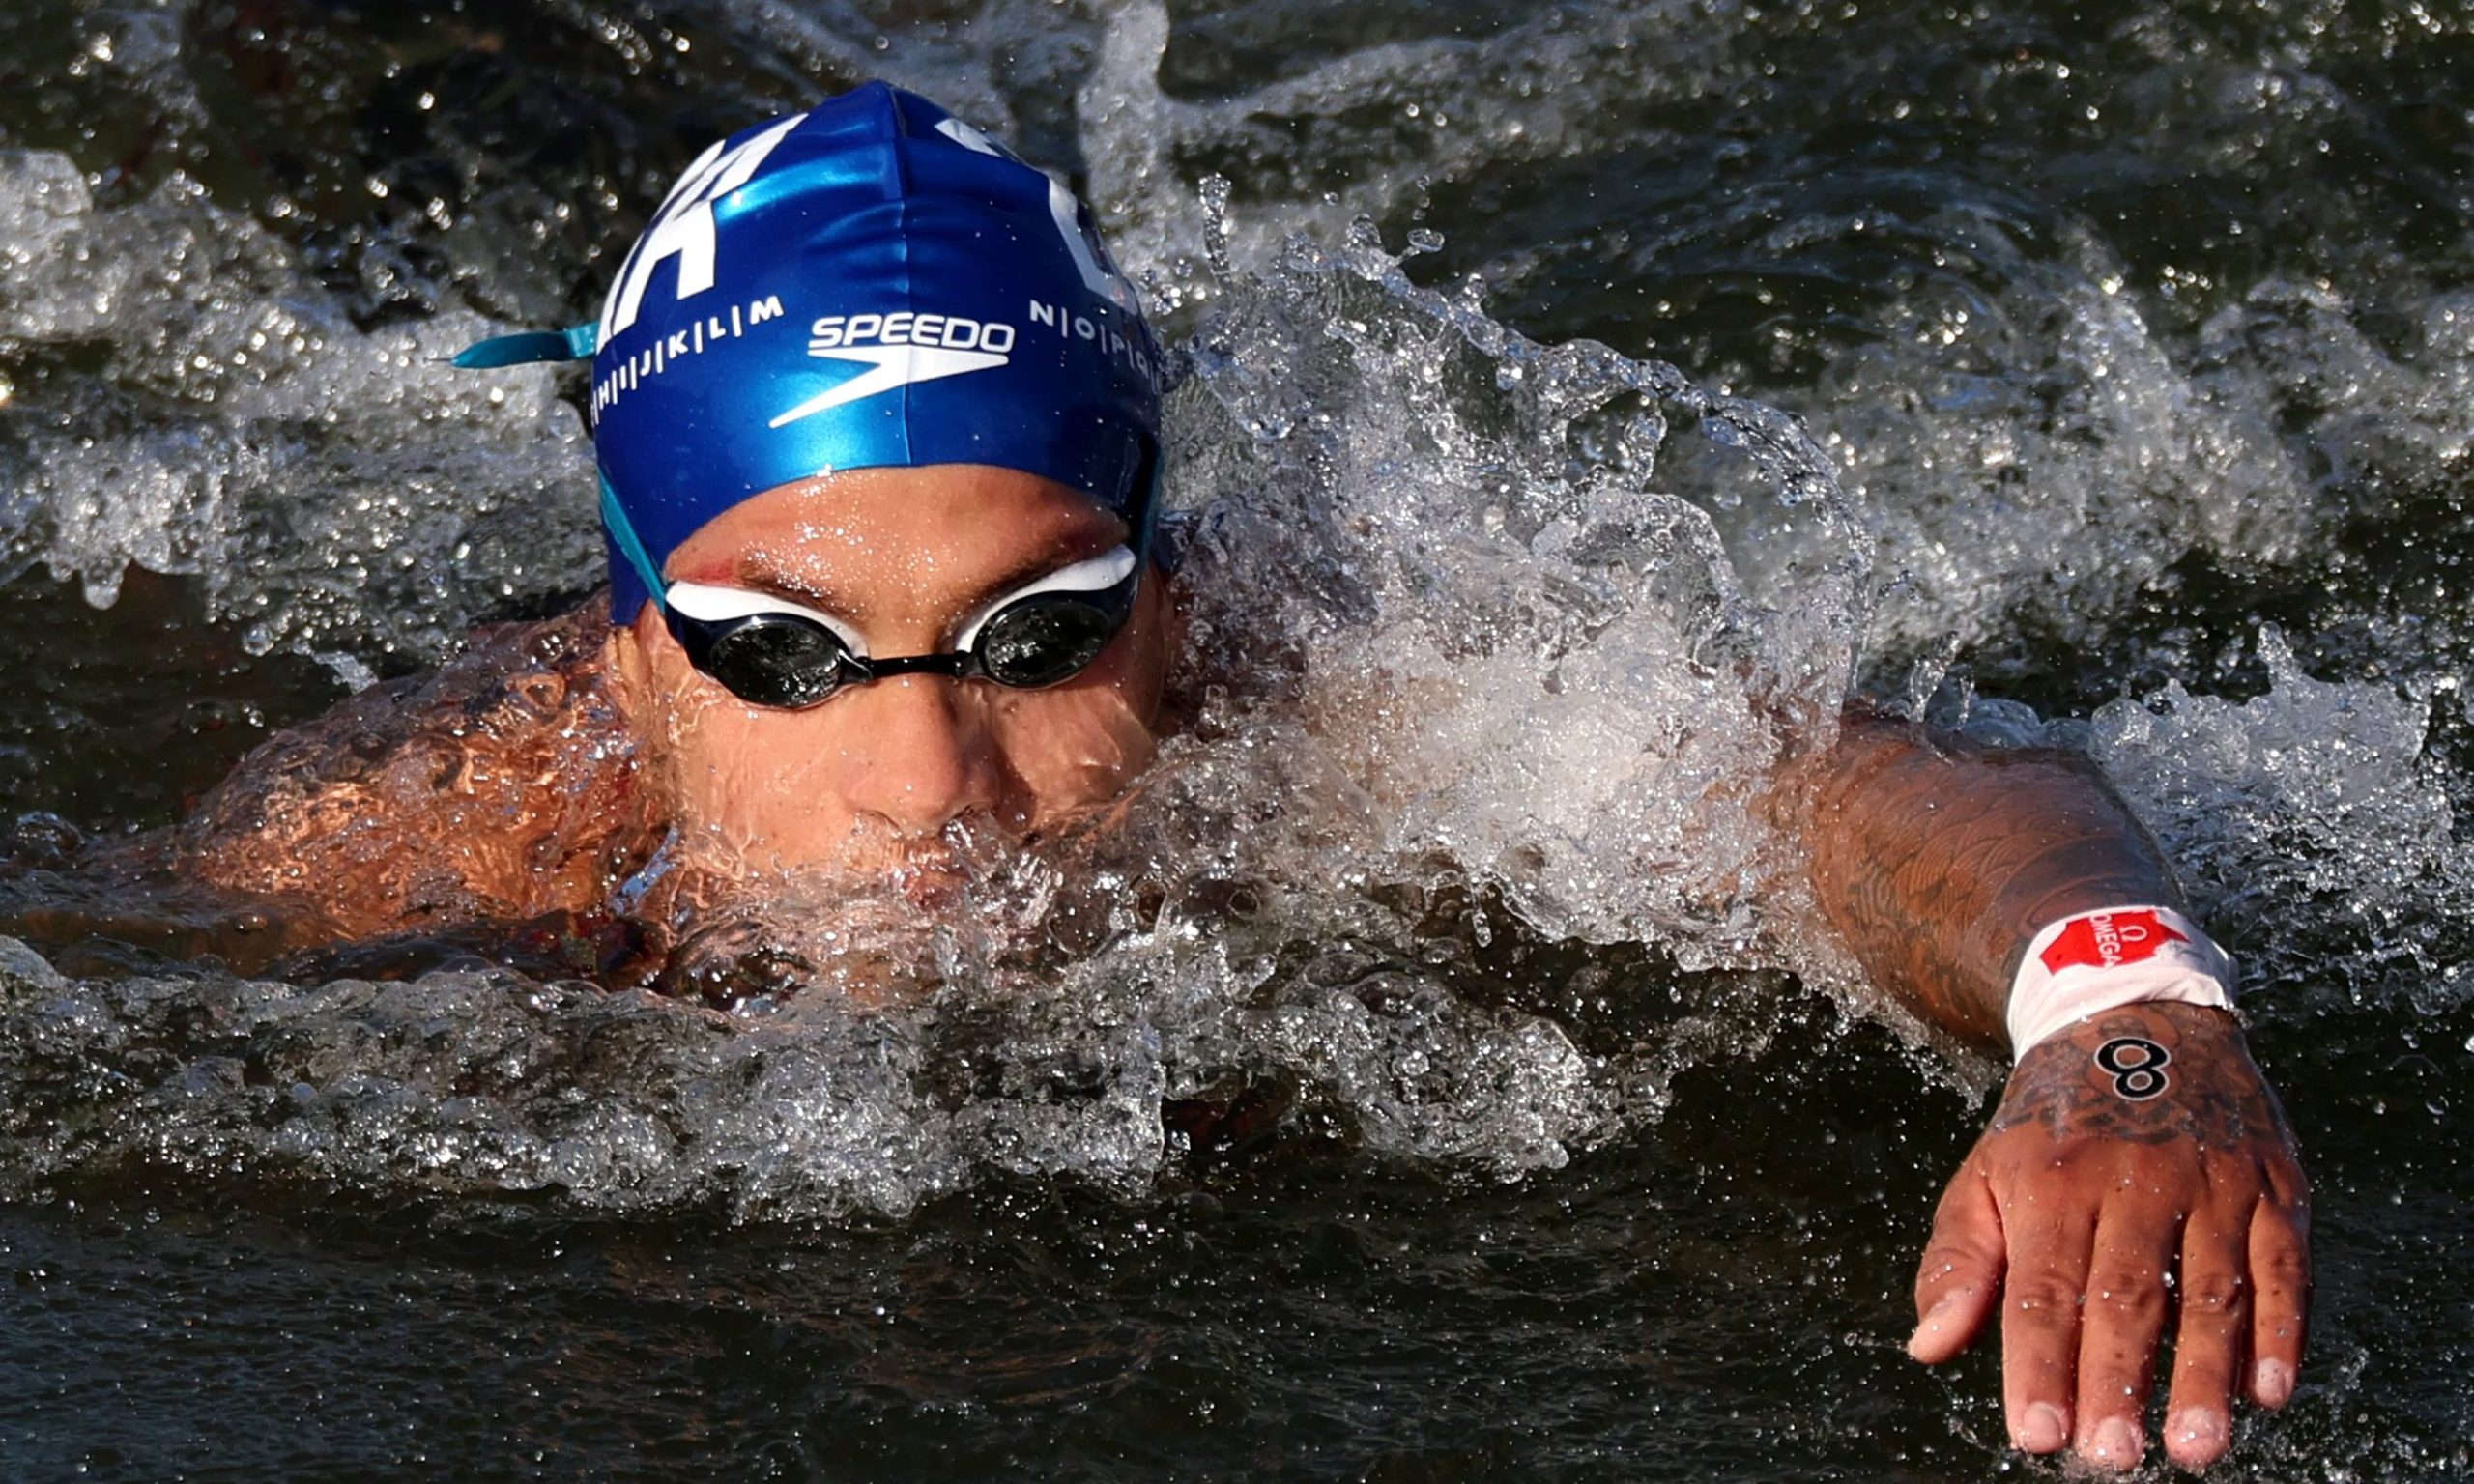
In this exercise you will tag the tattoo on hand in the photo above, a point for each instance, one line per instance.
(2137, 1065)
(2109, 1080)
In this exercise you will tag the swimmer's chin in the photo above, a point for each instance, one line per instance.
(811, 948)
(934, 889)
(927, 872)
(932, 876)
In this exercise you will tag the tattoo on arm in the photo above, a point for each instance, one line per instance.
(1936, 859)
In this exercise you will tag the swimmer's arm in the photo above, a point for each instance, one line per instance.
(1936, 859)
(2088, 1215)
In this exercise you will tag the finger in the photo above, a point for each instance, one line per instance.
(2047, 1273)
(2215, 1330)
(1961, 1273)
(2121, 1324)
(2280, 1253)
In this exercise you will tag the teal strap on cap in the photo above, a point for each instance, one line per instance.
(613, 519)
(577, 342)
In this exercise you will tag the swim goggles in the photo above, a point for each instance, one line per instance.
(773, 653)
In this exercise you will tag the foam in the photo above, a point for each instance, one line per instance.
(1456, 655)
(194, 403)
(2317, 840)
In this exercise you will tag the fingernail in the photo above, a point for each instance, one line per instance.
(2042, 1429)
(2116, 1444)
(2273, 1384)
(2197, 1432)
(1931, 1323)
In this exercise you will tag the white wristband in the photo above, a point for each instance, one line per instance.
(2096, 961)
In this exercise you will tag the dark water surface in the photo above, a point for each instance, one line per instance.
(2140, 344)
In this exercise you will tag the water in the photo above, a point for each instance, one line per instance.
(1433, 1076)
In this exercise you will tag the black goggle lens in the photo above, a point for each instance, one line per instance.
(1042, 640)
(775, 661)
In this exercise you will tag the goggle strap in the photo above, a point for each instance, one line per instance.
(615, 520)
(1149, 525)
(576, 342)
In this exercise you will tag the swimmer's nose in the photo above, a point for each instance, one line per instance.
(918, 754)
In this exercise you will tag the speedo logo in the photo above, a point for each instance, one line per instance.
(944, 332)
(901, 348)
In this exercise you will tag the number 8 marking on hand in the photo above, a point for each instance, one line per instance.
(2135, 1065)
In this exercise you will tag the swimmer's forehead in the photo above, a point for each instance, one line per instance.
(864, 541)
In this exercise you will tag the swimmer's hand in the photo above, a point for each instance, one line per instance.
(2101, 1206)
(2090, 1215)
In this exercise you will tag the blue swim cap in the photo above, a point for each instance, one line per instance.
(871, 283)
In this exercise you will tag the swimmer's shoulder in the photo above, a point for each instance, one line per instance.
(509, 680)
(499, 784)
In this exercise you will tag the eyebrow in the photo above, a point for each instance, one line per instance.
(756, 572)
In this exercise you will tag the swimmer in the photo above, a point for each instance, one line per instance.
(876, 422)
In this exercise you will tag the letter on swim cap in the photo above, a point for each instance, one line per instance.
(683, 228)
(917, 253)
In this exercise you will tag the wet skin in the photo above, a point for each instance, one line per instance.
(1936, 861)
(2090, 1220)
(878, 777)
(2076, 1206)
(524, 781)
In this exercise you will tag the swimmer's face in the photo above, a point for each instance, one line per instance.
(868, 781)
